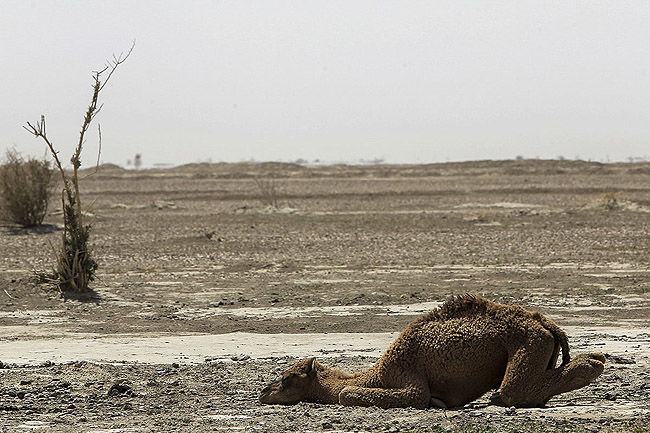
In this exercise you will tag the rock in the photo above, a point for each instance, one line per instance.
(240, 357)
(620, 360)
(120, 388)
(161, 204)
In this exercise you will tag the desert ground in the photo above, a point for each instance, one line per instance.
(205, 292)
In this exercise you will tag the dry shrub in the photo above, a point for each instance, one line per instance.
(610, 200)
(75, 265)
(269, 191)
(25, 189)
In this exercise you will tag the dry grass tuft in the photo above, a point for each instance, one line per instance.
(610, 200)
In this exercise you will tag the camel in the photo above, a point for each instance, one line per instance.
(450, 357)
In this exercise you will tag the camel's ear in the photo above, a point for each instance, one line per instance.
(311, 367)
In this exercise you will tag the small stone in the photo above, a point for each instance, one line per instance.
(240, 357)
(120, 388)
(610, 396)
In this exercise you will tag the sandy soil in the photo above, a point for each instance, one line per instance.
(205, 293)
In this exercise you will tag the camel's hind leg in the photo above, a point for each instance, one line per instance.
(528, 382)
(412, 396)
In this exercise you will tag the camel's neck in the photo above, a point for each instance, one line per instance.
(331, 382)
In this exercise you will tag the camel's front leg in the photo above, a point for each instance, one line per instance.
(412, 396)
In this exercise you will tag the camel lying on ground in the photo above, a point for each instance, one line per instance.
(449, 357)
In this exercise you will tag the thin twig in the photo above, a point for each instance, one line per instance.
(38, 130)
(8, 294)
(116, 62)
(99, 152)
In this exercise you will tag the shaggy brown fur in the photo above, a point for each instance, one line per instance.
(449, 357)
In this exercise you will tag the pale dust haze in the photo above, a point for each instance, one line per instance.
(332, 80)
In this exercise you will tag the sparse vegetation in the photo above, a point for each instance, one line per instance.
(75, 265)
(269, 191)
(365, 255)
(609, 200)
(25, 189)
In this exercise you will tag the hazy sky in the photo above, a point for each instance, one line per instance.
(334, 80)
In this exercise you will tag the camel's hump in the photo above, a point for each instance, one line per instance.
(456, 306)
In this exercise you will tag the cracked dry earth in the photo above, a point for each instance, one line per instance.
(205, 294)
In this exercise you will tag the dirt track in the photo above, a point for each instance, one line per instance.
(190, 255)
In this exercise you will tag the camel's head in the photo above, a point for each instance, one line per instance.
(293, 386)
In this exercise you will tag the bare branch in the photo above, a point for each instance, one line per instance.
(99, 153)
(30, 128)
(117, 61)
(38, 130)
(98, 110)
(93, 110)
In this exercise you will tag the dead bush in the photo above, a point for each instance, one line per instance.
(269, 191)
(25, 189)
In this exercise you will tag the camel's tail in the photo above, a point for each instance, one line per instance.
(561, 340)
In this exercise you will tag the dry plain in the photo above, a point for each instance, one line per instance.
(205, 294)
